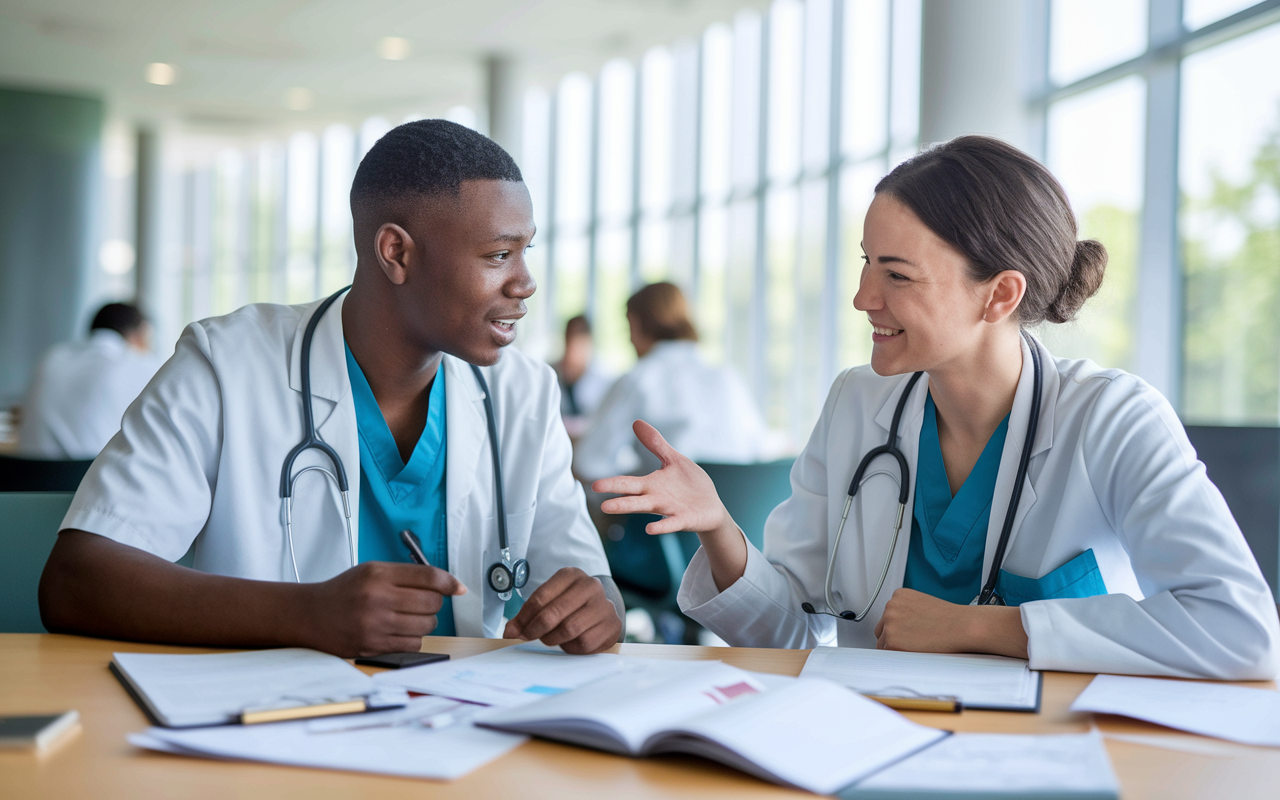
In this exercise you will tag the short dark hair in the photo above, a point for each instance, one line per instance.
(577, 326)
(1003, 211)
(123, 318)
(429, 157)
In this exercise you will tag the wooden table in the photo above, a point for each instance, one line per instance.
(41, 673)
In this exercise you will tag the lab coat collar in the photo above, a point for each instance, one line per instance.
(466, 431)
(329, 379)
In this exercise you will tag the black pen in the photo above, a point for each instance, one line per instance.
(410, 540)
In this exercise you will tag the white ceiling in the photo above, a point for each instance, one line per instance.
(237, 60)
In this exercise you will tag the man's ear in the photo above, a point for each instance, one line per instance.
(393, 247)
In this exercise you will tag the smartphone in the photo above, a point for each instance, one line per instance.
(398, 660)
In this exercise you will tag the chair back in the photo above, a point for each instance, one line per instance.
(40, 475)
(751, 492)
(1244, 463)
(30, 527)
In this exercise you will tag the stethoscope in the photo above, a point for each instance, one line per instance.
(503, 576)
(988, 594)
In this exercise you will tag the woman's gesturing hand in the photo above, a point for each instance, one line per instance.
(684, 495)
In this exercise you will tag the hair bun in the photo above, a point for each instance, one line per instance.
(1087, 269)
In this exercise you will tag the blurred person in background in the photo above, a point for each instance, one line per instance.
(81, 389)
(707, 409)
(583, 381)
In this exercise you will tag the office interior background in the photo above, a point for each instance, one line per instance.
(197, 156)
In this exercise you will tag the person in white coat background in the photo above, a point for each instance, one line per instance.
(441, 219)
(81, 389)
(1121, 556)
(706, 411)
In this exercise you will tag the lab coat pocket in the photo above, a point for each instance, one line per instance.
(1079, 577)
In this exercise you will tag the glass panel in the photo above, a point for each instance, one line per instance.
(535, 155)
(613, 287)
(904, 103)
(657, 101)
(1198, 13)
(229, 240)
(857, 188)
(339, 255)
(717, 90)
(1100, 166)
(712, 291)
(1086, 36)
(1230, 224)
(865, 124)
(740, 278)
(809, 381)
(571, 281)
(786, 19)
(780, 307)
(617, 129)
(816, 126)
(745, 153)
(301, 207)
(655, 250)
(684, 126)
(573, 151)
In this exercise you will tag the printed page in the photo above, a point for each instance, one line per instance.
(386, 743)
(809, 733)
(209, 689)
(1234, 713)
(622, 712)
(997, 765)
(991, 682)
(509, 677)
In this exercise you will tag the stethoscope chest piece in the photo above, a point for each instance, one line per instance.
(506, 575)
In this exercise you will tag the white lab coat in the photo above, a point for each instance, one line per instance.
(705, 412)
(79, 394)
(200, 453)
(1111, 470)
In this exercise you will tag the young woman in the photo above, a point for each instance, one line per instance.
(1049, 508)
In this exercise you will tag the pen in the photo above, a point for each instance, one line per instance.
(948, 704)
(410, 540)
(255, 716)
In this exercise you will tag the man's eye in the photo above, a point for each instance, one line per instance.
(503, 256)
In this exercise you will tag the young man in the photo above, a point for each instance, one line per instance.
(441, 219)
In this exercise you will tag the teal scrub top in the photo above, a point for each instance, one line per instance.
(395, 495)
(949, 534)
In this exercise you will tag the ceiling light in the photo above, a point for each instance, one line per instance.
(394, 48)
(161, 74)
(298, 99)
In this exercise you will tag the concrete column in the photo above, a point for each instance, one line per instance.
(973, 65)
(504, 102)
(50, 153)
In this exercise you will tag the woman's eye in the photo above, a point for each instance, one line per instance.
(894, 276)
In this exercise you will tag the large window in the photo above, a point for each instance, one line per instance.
(758, 145)
(1162, 118)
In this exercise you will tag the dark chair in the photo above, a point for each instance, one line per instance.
(40, 475)
(648, 569)
(30, 528)
(1244, 463)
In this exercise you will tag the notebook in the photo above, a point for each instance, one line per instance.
(998, 766)
(805, 733)
(992, 683)
(180, 691)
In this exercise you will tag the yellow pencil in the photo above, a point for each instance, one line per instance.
(948, 704)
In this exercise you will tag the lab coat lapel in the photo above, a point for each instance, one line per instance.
(1019, 419)
(466, 434)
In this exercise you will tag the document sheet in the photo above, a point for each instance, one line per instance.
(429, 738)
(980, 682)
(1234, 713)
(511, 676)
(994, 765)
(189, 690)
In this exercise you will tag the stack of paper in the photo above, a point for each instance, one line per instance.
(1235, 713)
(994, 766)
(980, 682)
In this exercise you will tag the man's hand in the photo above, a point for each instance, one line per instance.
(571, 610)
(926, 624)
(377, 607)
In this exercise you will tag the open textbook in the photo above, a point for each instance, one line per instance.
(808, 733)
(993, 683)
